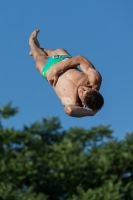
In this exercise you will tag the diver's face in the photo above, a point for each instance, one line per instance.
(82, 90)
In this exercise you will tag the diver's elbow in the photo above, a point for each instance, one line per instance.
(68, 110)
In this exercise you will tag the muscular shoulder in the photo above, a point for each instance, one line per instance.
(95, 78)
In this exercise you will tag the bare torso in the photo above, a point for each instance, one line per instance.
(69, 82)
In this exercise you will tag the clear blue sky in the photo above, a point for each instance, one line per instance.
(102, 31)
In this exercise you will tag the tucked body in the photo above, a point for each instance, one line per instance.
(71, 85)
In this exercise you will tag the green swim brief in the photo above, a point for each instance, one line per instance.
(51, 61)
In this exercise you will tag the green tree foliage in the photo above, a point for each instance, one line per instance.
(6, 112)
(45, 162)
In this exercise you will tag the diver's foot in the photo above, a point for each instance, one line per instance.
(33, 38)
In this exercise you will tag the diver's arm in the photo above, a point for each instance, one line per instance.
(76, 111)
(52, 73)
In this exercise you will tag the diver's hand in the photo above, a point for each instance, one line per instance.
(52, 77)
(93, 112)
(53, 81)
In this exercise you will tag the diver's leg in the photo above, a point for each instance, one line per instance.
(39, 55)
(49, 52)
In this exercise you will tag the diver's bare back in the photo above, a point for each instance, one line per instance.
(67, 86)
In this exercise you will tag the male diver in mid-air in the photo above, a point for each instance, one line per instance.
(76, 89)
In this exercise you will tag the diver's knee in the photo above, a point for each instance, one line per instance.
(60, 49)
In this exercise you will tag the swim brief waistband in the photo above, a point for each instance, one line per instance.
(51, 61)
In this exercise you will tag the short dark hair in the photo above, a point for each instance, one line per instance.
(94, 100)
